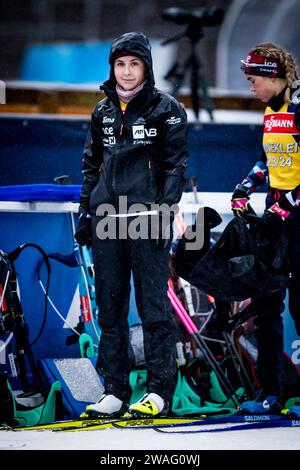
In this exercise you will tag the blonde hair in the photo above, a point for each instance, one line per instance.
(287, 61)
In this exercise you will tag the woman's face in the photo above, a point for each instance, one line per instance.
(264, 88)
(129, 71)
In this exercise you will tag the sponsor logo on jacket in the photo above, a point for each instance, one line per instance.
(140, 132)
(109, 141)
(108, 120)
(280, 123)
(173, 120)
(108, 130)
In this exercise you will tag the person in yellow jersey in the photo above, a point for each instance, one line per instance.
(133, 163)
(273, 77)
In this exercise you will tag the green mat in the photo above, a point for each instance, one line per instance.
(185, 400)
(47, 412)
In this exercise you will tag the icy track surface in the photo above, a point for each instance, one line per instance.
(147, 439)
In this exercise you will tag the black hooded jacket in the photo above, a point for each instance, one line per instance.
(140, 154)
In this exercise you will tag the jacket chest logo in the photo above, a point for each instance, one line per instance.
(280, 123)
(140, 132)
(108, 130)
(108, 120)
(109, 138)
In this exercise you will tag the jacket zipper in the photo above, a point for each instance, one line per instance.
(151, 175)
(122, 122)
(115, 162)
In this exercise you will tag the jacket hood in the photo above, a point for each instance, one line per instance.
(136, 44)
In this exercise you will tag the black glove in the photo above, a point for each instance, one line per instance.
(83, 234)
(239, 201)
(280, 210)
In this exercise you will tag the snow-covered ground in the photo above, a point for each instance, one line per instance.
(148, 439)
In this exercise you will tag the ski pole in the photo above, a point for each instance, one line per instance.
(202, 346)
(80, 257)
(86, 287)
(238, 363)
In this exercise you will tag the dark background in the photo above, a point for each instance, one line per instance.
(40, 21)
(246, 23)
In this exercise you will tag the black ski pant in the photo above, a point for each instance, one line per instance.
(114, 261)
(269, 323)
(294, 262)
(269, 337)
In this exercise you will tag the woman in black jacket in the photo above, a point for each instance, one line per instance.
(134, 162)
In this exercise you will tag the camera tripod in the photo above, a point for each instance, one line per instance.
(177, 72)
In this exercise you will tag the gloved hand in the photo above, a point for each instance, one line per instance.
(83, 234)
(283, 209)
(239, 201)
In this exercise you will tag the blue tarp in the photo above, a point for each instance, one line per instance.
(41, 192)
(66, 62)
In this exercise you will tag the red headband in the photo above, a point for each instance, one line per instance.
(256, 64)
